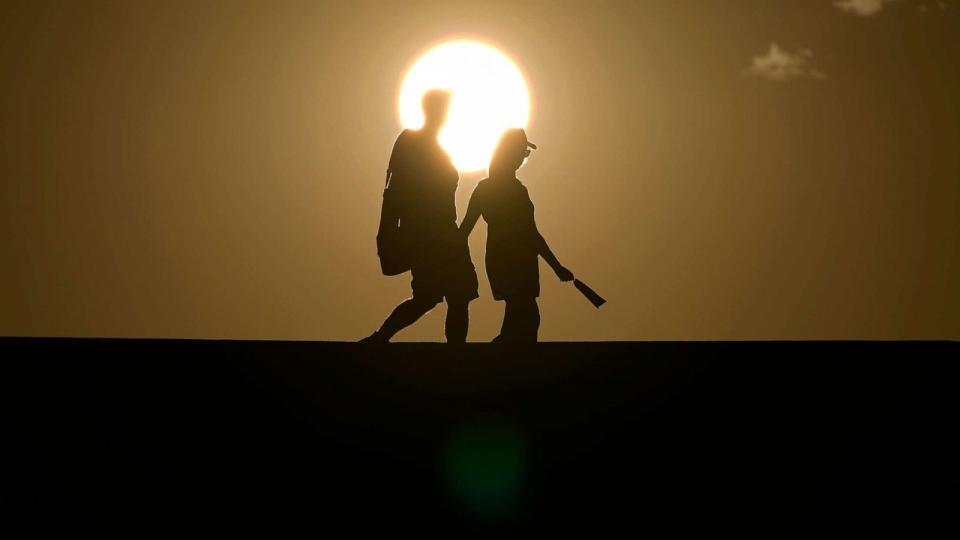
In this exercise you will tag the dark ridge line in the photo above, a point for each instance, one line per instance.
(92, 339)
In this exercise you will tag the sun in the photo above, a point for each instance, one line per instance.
(488, 95)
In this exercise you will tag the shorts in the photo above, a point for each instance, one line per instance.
(445, 272)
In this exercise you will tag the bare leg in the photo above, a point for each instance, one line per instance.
(521, 321)
(402, 316)
(506, 325)
(458, 320)
(529, 323)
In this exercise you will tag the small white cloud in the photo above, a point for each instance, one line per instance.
(863, 8)
(780, 65)
(927, 7)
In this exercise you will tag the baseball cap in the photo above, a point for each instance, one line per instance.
(516, 137)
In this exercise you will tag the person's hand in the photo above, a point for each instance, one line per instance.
(563, 273)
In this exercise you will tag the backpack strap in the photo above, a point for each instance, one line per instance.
(396, 156)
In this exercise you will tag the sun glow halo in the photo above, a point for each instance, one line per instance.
(488, 95)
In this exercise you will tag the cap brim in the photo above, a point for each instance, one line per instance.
(531, 145)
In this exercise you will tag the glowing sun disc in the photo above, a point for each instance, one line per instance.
(489, 95)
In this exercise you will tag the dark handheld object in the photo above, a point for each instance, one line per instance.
(591, 295)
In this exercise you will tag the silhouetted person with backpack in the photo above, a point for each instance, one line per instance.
(418, 228)
(513, 241)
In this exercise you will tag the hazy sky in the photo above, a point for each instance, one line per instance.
(726, 169)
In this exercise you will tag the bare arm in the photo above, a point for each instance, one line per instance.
(471, 217)
(544, 251)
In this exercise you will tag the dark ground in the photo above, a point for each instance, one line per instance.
(762, 438)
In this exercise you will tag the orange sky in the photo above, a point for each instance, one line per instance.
(716, 169)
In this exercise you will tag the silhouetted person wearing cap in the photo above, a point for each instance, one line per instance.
(424, 181)
(513, 241)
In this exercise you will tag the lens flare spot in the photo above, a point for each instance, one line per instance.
(485, 461)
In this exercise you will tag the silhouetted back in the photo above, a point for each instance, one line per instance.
(425, 180)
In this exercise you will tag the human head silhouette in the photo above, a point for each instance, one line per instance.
(435, 103)
(512, 148)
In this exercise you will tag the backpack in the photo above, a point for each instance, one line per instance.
(392, 242)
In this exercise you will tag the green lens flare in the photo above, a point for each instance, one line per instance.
(484, 469)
